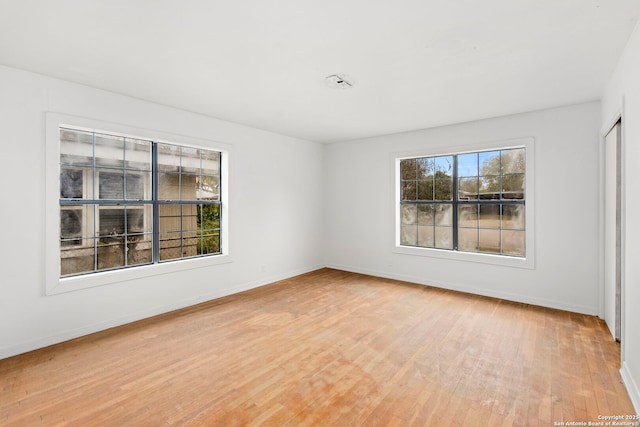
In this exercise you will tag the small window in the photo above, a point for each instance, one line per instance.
(468, 202)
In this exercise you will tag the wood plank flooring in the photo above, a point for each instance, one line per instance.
(326, 348)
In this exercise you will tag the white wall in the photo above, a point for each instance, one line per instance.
(275, 206)
(359, 197)
(622, 95)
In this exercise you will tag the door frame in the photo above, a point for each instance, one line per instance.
(618, 117)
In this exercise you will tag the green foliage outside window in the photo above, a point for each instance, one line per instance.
(208, 229)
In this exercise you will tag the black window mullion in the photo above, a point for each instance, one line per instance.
(94, 196)
(105, 202)
(454, 198)
(125, 237)
(220, 199)
(155, 255)
(492, 202)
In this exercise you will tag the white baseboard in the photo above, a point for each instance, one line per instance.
(632, 387)
(560, 305)
(34, 344)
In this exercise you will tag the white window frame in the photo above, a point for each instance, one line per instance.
(528, 262)
(54, 284)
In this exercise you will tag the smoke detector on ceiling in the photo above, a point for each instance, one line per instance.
(339, 81)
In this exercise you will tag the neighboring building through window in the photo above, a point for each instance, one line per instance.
(127, 202)
(469, 202)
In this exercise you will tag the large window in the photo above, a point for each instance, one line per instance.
(469, 202)
(128, 202)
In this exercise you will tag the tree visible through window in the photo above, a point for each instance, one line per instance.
(126, 202)
(471, 202)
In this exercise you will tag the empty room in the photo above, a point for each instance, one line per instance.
(279, 213)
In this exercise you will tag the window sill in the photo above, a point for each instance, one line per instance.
(74, 283)
(501, 260)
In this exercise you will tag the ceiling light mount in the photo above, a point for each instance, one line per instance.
(339, 81)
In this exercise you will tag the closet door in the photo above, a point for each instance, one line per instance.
(612, 241)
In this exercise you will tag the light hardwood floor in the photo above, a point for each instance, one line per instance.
(326, 348)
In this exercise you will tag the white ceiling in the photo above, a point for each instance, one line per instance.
(415, 63)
